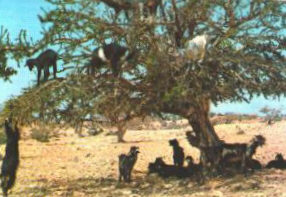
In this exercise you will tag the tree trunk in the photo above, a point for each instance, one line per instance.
(120, 133)
(78, 129)
(203, 128)
(206, 140)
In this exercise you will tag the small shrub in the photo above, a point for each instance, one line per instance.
(277, 118)
(40, 134)
(94, 131)
(228, 121)
(240, 132)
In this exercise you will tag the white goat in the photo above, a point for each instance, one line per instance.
(196, 47)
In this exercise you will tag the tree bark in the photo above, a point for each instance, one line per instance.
(206, 140)
(120, 133)
(78, 129)
(203, 128)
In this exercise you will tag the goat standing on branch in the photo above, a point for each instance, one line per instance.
(196, 47)
(43, 62)
(113, 54)
(150, 8)
(143, 7)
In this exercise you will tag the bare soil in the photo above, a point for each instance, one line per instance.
(88, 166)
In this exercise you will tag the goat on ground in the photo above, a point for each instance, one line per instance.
(242, 153)
(126, 163)
(278, 163)
(195, 170)
(152, 167)
(178, 153)
(253, 164)
(11, 159)
(232, 164)
(217, 158)
(164, 170)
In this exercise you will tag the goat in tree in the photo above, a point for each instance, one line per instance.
(178, 153)
(150, 7)
(196, 47)
(11, 159)
(126, 163)
(112, 54)
(278, 163)
(43, 62)
(121, 5)
(145, 7)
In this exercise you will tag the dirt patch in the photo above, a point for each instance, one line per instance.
(73, 166)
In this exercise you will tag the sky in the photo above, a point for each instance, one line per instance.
(22, 14)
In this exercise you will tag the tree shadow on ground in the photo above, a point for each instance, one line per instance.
(133, 142)
(148, 185)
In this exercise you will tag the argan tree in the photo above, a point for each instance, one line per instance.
(243, 58)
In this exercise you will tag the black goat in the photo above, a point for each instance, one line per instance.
(209, 156)
(278, 163)
(43, 62)
(253, 164)
(178, 153)
(195, 170)
(164, 170)
(242, 153)
(233, 165)
(113, 53)
(11, 158)
(152, 167)
(126, 163)
(219, 157)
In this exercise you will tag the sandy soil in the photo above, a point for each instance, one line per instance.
(73, 166)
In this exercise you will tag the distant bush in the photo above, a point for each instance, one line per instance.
(93, 131)
(170, 117)
(277, 118)
(242, 117)
(212, 114)
(41, 133)
(230, 118)
(271, 114)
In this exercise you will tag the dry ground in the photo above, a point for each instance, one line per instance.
(72, 166)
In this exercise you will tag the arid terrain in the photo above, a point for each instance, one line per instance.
(87, 166)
